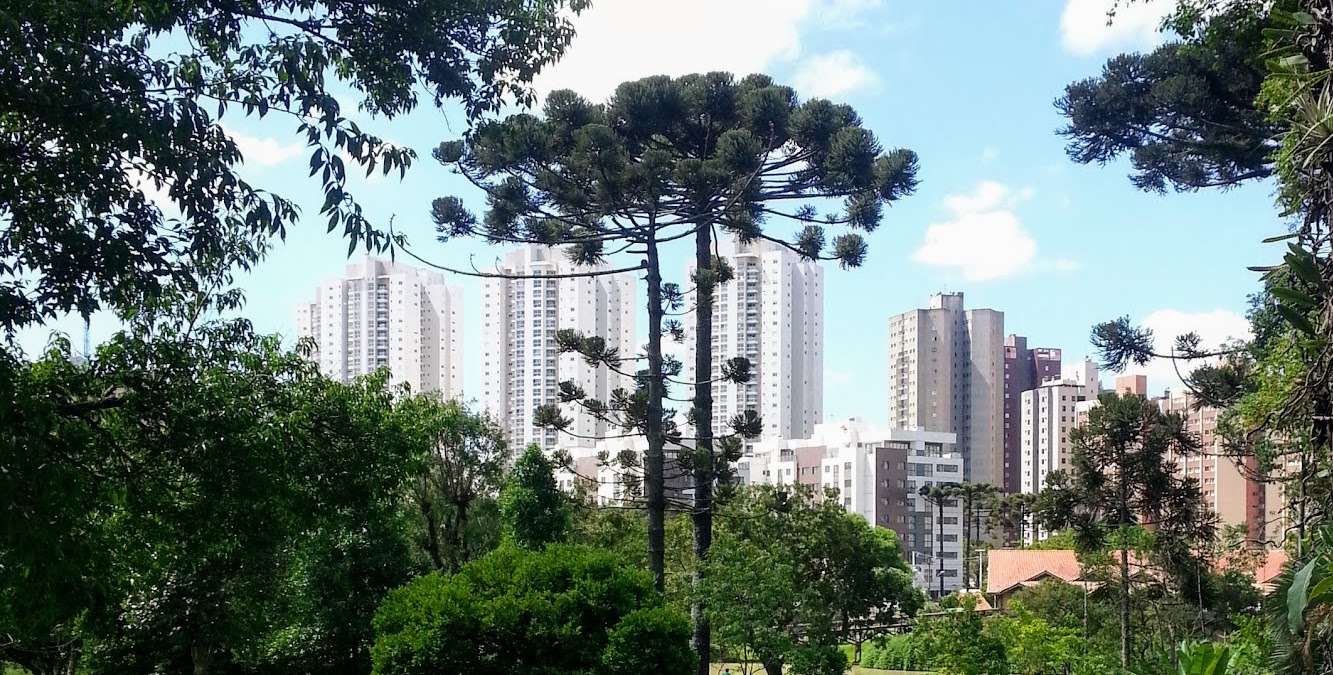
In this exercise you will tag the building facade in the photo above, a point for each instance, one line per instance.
(1024, 369)
(946, 374)
(877, 474)
(1233, 488)
(383, 314)
(1047, 413)
(771, 313)
(521, 366)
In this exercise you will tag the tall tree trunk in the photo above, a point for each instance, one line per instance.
(976, 532)
(939, 545)
(199, 657)
(704, 474)
(432, 533)
(654, 460)
(1123, 516)
(461, 507)
(967, 542)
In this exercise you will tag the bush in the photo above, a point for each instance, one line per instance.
(566, 609)
(896, 652)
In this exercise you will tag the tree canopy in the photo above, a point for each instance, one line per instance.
(566, 609)
(1186, 113)
(101, 100)
(791, 573)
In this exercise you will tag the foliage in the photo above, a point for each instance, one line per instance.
(534, 511)
(565, 609)
(1203, 658)
(1034, 647)
(158, 493)
(1061, 540)
(99, 102)
(1185, 113)
(1251, 646)
(463, 475)
(1012, 513)
(1301, 611)
(958, 644)
(789, 570)
(1122, 476)
(896, 652)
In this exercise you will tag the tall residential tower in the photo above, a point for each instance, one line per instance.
(384, 314)
(1024, 370)
(521, 368)
(771, 313)
(946, 374)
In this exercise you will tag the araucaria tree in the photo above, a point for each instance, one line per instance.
(691, 158)
(1123, 475)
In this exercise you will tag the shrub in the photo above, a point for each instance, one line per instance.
(564, 610)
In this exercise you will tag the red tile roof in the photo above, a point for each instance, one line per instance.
(1008, 568)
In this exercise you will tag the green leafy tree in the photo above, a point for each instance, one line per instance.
(1034, 646)
(565, 609)
(535, 511)
(975, 498)
(102, 99)
(958, 644)
(791, 574)
(1012, 513)
(1122, 475)
(191, 459)
(1301, 610)
(464, 472)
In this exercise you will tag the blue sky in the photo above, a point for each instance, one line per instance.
(1001, 214)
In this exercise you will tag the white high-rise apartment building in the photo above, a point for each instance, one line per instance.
(771, 313)
(1048, 414)
(946, 374)
(521, 367)
(385, 314)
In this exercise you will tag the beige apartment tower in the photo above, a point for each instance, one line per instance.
(946, 374)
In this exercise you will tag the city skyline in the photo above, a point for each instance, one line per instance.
(1007, 219)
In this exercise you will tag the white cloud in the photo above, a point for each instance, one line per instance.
(847, 13)
(1084, 30)
(832, 74)
(1214, 328)
(985, 239)
(621, 40)
(263, 151)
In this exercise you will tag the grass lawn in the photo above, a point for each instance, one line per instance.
(756, 669)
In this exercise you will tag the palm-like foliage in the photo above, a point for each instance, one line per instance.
(1300, 611)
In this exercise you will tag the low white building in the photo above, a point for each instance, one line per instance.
(612, 471)
(878, 474)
